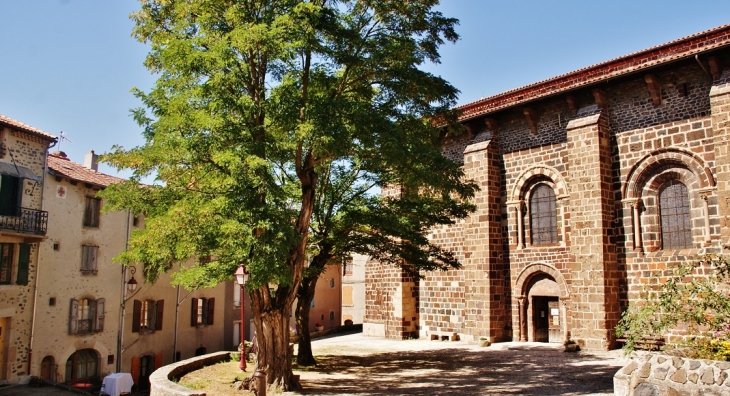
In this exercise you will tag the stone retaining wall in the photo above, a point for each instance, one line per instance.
(662, 375)
(161, 380)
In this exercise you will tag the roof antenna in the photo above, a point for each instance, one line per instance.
(61, 138)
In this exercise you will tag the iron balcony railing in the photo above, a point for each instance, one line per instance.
(24, 220)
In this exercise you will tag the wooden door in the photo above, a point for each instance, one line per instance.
(146, 367)
(541, 318)
(47, 368)
(555, 334)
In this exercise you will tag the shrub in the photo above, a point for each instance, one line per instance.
(695, 299)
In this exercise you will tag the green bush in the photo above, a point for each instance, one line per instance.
(694, 299)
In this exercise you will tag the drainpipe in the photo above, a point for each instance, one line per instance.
(37, 262)
(120, 331)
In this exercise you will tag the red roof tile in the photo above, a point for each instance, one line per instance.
(25, 127)
(62, 166)
(681, 48)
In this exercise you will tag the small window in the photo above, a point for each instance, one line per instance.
(88, 259)
(92, 212)
(109, 359)
(6, 262)
(86, 316)
(347, 266)
(202, 311)
(332, 283)
(56, 246)
(675, 217)
(332, 315)
(52, 302)
(543, 216)
(147, 316)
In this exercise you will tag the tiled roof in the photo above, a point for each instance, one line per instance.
(681, 48)
(62, 166)
(25, 127)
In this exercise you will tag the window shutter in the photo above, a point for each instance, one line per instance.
(158, 361)
(99, 325)
(23, 261)
(73, 327)
(151, 314)
(160, 309)
(84, 258)
(205, 311)
(136, 316)
(92, 315)
(92, 257)
(194, 312)
(135, 368)
(211, 311)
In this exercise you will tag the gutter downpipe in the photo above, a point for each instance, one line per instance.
(120, 331)
(37, 261)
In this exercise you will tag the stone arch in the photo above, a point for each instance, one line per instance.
(523, 181)
(535, 269)
(644, 170)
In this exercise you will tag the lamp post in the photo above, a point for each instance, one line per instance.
(242, 278)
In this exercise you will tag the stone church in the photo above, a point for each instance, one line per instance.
(594, 185)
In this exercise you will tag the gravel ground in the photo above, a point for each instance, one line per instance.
(358, 365)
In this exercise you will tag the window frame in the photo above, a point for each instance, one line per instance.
(6, 262)
(667, 242)
(535, 216)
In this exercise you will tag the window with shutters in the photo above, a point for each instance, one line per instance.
(202, 311)
(88, 259)
(147, 316)
(543, 216)
(674, 212)
(10, 198)
(86, 316)
(6, 262)
(92, 212)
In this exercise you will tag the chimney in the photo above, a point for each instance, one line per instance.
(90, 161)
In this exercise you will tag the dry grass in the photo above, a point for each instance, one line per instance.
(217, 379)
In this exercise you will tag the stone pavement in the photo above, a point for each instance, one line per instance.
(359, 365)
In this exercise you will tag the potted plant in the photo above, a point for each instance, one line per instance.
(484, 342)
(570, 346)
(318, 327)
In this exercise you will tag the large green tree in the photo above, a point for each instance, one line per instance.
(271, 128)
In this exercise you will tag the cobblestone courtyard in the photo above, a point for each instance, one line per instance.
(359, 365)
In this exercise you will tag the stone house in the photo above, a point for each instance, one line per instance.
(594, 185)
(353, 289)
(22, 227)
(89, 321)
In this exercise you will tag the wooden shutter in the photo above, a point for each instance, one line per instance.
(158, 361)
(135, 368)
(93, 250)
(136, 316)
(73, 326)
(23, 262)
(160, 308)
(99, 325)
(211, 311)
(194, 312)
(151, 313)
(91, 320)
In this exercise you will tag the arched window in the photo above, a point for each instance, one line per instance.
(82, 364)
(543, 217)
(674, 214)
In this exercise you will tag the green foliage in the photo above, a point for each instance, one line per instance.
(694, 299)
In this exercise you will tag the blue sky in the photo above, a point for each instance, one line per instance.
(68, 65)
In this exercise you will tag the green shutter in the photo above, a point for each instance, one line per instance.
(23, 262)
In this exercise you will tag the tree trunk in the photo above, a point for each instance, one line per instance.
(304, 299)
(274, 357)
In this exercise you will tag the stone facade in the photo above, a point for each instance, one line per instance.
(671, 375)
(604, 143)
(22, 226)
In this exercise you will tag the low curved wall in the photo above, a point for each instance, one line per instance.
(161, 380)
(660, 375)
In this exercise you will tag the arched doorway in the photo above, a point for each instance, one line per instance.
(82, 365)
(48, 368)
(545, 324)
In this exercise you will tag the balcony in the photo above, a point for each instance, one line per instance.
(23, 221)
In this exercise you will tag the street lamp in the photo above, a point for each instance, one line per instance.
(242, 278)
(132, 283)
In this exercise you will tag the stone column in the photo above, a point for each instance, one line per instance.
(636, 213)
(720, 109)
(594, 274)
(522, 309)
(486, 298)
